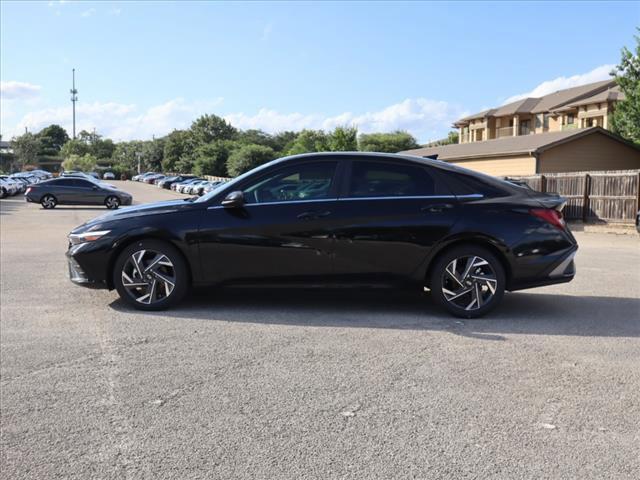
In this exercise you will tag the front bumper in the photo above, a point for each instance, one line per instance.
(79, 275)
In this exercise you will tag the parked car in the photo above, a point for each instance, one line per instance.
(335, 219)
(169, 181)
(212, 186)
(143, 176)
(192, 188)
(8, 187)
(109, 176)
(66, 173)
(638, 221)
(180, 187)
(150, 179)
(72, 190)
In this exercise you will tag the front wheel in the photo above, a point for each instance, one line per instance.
(48, 202)
(151, 275)
(112, 202)
(468, 281)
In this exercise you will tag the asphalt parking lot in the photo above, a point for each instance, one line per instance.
(282, 384)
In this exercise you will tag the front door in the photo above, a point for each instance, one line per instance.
(281, 234)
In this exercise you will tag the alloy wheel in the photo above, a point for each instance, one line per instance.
(148, 276)
(48, 202)
(112, 202)
(469, 282)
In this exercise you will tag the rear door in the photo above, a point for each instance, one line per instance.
(390, 213)
(87, 193)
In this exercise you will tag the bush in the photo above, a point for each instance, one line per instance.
(247, 158)
(86, 163)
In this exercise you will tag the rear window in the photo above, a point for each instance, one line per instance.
(464, 182)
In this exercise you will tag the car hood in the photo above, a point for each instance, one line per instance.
(156, 208)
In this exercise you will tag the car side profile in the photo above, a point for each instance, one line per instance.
(76, 190)
(335, 219)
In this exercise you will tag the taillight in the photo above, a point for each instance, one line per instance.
(549, 215)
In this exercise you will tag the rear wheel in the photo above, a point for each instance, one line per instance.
(151, 275)
(468, 281)
(48, 201)
(112, 202)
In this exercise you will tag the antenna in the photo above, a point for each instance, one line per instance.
(74, 99)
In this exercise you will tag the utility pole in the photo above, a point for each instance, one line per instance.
(74, 99)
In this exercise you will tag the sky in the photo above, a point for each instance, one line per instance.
(146, 68)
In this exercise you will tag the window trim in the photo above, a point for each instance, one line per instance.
(346, 180)
(333, 191)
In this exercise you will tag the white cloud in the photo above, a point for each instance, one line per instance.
(88, 13)
(12, 90)
(115, 11)
(117, 120)
(597, 74)
(426, 119)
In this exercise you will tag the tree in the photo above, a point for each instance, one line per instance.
(208, 128)
(387, 142)
(282, 141)
(85, 163)
(175, 146)
(248, 157)
(52, 138)
(26, 148)
(125, 156)
(309, 141)
(344, 139)
(452, 138)
(256, 137)
(102, 148)
(74, 147)
(211, 158)
(626, 115)
(153, 153)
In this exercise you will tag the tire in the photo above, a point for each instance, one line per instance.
(48, 202)
(484, 281)
(134, 288)
(3, 192)
(112, 202)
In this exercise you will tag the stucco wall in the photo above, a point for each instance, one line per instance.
(501, 166)
(593, 152)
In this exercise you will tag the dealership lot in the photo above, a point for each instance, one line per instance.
(283, 384)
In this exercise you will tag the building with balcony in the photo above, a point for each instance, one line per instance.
(579, 107)
(566, 131)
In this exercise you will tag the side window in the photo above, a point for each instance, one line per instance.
(461, 183)
(62, 183)
(378, 179)
(81, 183)
(300, 182)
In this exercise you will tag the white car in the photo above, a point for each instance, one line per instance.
(108, 176)
(8, 186)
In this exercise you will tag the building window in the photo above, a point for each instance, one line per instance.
(570, 119)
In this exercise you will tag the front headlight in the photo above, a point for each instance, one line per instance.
(77, 238)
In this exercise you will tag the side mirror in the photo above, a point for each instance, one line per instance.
(95, 187)
(233, 200)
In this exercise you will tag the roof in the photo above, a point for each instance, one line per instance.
(546, 103)
(610, 95)
(524, 144)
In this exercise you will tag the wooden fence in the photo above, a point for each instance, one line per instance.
(608, 196)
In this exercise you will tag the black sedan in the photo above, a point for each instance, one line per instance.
(72, 190)
(335, 219)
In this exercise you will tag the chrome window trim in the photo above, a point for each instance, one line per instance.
(351, 199)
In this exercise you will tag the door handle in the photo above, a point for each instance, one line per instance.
(437, 208)
(313, 215)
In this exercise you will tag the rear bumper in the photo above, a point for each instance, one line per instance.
(561, 269)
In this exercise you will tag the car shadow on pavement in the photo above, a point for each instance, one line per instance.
(519, 313)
